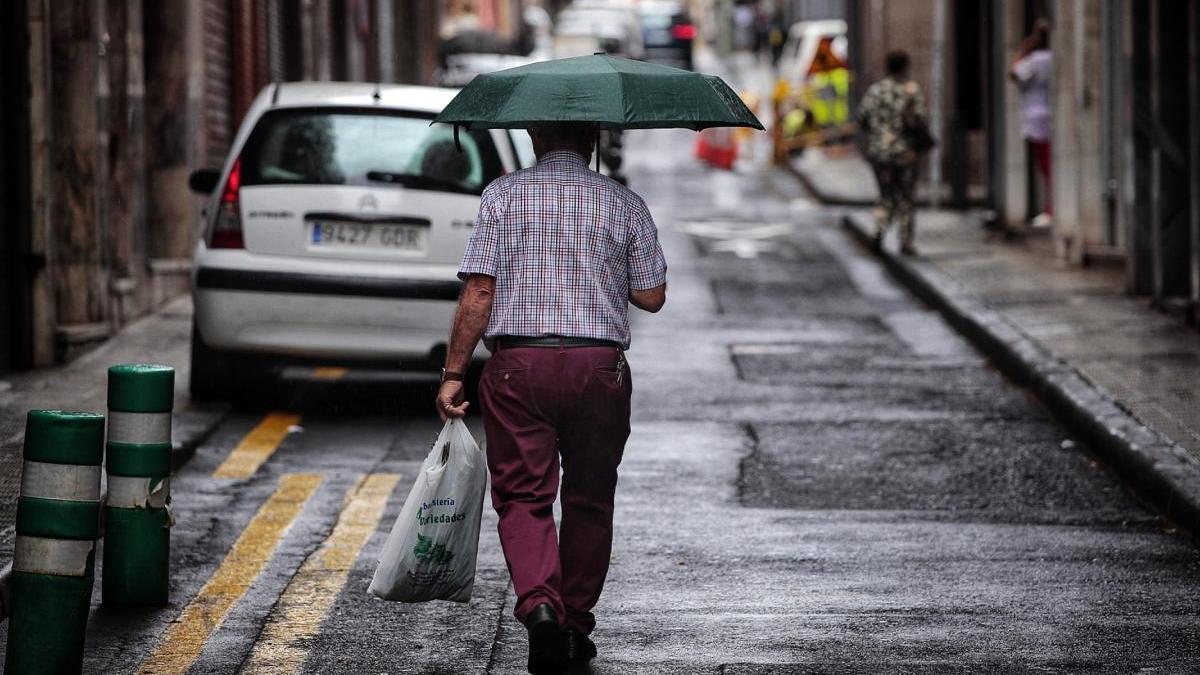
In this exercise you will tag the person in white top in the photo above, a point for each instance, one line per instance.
(1031, 71)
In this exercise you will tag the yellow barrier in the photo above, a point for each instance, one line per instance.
(794, 126)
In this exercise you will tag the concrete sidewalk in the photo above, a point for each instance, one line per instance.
(839, 176)
(836, 177)
(1123, 375)
(163, 337)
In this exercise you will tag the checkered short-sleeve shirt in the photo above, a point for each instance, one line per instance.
(565, 245)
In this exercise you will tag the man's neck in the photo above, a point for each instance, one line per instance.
(562, 153)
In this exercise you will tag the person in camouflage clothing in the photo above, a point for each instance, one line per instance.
(890, 149)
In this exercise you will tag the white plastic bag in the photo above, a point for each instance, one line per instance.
(430, 553)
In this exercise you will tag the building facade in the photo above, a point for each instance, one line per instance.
(1126, 133)
(1127, 141)
(110, 104)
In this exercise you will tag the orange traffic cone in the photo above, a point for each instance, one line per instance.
(717, 147)
(703, 149)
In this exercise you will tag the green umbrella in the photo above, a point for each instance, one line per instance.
(608, 91)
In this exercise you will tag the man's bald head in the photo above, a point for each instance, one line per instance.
(574, 136)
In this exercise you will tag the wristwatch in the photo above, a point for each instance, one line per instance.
(448, 375)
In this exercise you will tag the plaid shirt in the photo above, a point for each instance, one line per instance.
(565, 245)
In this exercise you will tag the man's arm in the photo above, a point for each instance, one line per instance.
(651, 299)
(918, 101)
(1018, 69)
(470, 321)
(647, 266)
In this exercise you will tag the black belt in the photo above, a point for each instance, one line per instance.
(508, 341)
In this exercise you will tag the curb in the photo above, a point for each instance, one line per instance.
(195, 424)
(824, 197)
(861, 202)
(1160, 472)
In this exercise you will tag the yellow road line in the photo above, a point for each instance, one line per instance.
(283, 645)
(257, 447)
(328, 373)
(185, 638)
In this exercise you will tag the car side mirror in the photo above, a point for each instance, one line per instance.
(204, 181)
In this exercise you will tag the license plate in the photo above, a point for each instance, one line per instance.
(407, 238)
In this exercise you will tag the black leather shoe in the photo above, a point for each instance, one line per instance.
(580, 648)
(547, 646)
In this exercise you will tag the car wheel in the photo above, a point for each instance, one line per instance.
(215, 375)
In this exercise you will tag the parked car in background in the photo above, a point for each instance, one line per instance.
(462, 68)
(540, 29)
(470, 53)
(667, 32)
(334, 232)
(588, 27)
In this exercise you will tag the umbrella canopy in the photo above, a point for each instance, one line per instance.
(609, 91)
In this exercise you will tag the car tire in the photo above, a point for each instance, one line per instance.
(215, 375)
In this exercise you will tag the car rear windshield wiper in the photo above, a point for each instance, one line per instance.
(415, 180)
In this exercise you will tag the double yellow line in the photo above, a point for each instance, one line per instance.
(308, 596)
(257, 447)
(297, 616)
(262, 441)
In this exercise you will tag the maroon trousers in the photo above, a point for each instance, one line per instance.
(543, 406)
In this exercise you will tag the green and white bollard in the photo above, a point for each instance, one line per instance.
(137, 535)
(58, 516)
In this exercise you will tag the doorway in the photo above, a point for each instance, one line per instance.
(1174, 114)
(1162, 86)
(15, 312)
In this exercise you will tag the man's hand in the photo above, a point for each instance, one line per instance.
(450, 401)
(474, 309)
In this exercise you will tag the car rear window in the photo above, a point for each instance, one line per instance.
(354, 147)
(656, 20)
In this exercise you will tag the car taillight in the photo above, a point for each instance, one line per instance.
(683, 31)
(227, 228)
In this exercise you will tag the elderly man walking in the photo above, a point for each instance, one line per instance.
(557, 254)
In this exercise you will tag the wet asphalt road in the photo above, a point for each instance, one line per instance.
(822, 478)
